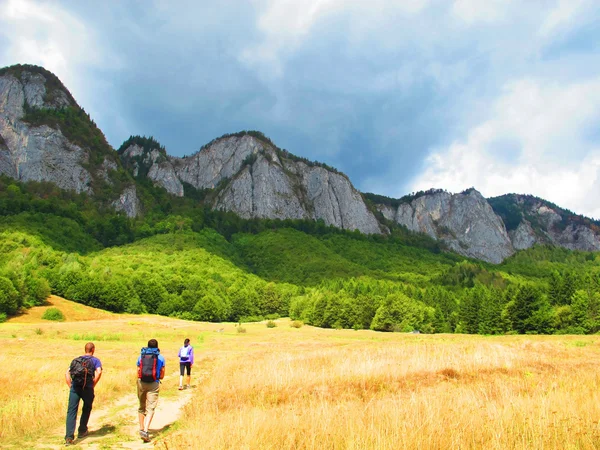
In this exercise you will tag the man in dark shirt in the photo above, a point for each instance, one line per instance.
(83, 392)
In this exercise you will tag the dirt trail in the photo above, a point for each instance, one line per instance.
(116, 425)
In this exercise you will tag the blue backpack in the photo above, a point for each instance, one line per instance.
(147, 371)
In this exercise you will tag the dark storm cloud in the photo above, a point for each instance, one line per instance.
(355, 104)
(374, 89)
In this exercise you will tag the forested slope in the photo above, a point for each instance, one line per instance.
(186, 261)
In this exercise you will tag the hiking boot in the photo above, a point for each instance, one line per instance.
(82, 435)
(188, 386)
(145, 436)
(69, 441)
(181, 388)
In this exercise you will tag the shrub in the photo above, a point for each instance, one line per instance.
(2, 317)
(296, 324)
(9, 296)
(251, 319)
(241, 329)
(54, 314)
(271, 324)
(39, 331)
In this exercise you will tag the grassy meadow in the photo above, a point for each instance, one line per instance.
(308, 388)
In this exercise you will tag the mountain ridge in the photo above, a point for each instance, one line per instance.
(46, 136)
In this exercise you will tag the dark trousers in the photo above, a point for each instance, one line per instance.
(76, 394)
(185, 366)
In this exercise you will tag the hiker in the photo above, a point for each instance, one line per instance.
(82, 376)
(186, 361)
(151, 369)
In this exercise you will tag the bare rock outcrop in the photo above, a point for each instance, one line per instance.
(33, 147)
(38, 153)
(553, 225)
(251, 177)
(128, 202)
(157, 166)
(465, 222)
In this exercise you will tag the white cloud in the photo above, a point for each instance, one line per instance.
(286, 23)
(565, 14)
(549, 153)
(471, 11)
(47, 35)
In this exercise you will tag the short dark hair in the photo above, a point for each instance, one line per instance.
(186, 342)
(152, 343)
(89, 347)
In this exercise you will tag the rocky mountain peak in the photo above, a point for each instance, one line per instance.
(41, 88)
(46, 136)
(464, 221)
(531, 220)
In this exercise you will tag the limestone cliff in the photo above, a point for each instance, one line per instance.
(531, 220)
(46, 136)
(253, 178)
(37, 153)
(38, 140)
(465, 222)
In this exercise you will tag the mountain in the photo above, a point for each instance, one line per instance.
(250, 176)
(46, 136)
(530, 220)
(465, 222)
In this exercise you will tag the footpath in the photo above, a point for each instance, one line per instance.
(116, 426)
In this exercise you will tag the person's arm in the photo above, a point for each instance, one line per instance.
(97, 375)
(162, 370)
(68, 378)
(191, 356)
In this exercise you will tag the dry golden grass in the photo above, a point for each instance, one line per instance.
(317, 389)
(74, 312)
(34, 356)
(288, 388)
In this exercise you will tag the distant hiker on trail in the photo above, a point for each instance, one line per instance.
(81, 377)
(151, 369)
(186, 361)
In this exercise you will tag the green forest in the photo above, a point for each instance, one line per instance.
(181, 259)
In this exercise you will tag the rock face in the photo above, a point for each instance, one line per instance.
(465, 222)
(42, 152)
(128, 202)
(156, 165)
(37, 153)
(251, 178)
(553, 225)
(246, 174)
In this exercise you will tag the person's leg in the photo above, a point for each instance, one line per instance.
(189, 374)
(152, 401)
(181, 369)
(72, 408)
(141, 393)
(87, 395)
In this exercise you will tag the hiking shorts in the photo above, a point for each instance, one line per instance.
(147, 395)
(185, 366)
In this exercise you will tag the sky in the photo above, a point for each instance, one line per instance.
(499, 95)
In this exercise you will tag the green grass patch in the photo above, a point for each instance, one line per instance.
(54, 314)
(96, 337)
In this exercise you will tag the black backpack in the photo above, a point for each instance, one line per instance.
(82, 371)
(148, 364)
